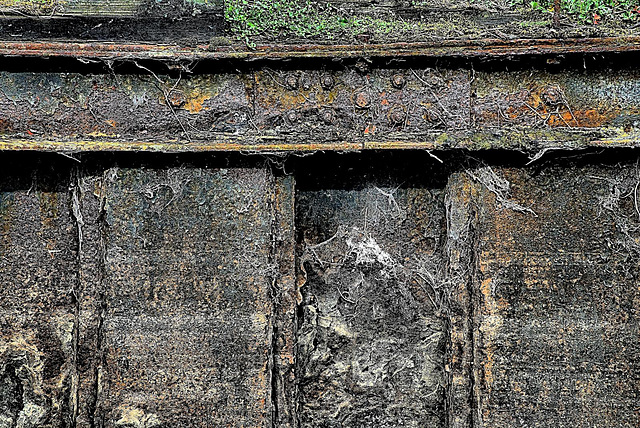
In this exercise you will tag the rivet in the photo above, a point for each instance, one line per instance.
(431, 116)
(293, 116)
(552, 96)
(397, 115)
(305, 82)
(327, 81)
(327, 116)
(176, 99)
(363, 100)
(362, 66)
(292, 81)
(398, 81)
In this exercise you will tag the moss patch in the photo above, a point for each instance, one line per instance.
(31, 7)
(304, 19)
(592, 11)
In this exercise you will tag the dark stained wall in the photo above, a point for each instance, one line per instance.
(376, 291)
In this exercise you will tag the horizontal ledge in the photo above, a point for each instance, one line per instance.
(76, 146)
(447, 48)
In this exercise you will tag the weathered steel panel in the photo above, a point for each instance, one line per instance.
(187, 330)
(38, 273)
(130, 107)
(555, 300)
(361, 103)
(372, 328)
(359, 107)
(594, 99)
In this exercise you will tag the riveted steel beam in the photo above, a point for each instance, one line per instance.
(354, 108)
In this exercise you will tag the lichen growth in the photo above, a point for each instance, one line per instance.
(304, 19)
(30, 7)
(592, 11)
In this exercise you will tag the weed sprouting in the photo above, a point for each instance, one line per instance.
(250, 19)
(592, 11)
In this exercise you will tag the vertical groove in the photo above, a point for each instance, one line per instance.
(283, 297)
(475, 421)
(76, 212)
(103, 305)
(95, 419)
(461, 248)
(273, 260)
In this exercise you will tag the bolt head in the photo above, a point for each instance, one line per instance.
(293, 116)
(552, 96)
(292, 81)
(397, 115)
(398, 81)
(327, 81)
(177, 99)
(305, 82)
(327, 117)
(362, 66)
(363, 100)
(431, 116)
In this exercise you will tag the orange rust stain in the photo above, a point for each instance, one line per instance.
(485, 289)
(111, 122)
(370, 129)
(195, 103)
(384, 101)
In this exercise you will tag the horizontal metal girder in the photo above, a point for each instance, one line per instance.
(353, 108)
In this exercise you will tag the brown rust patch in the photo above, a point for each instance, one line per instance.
(443, 48)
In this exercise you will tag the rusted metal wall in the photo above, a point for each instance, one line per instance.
(359, 106)
(484, 276)
(555, 302)
(379, 290)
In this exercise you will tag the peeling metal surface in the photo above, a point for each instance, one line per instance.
(566, 100)
(37, 307)
(556, 321)
(188, 322)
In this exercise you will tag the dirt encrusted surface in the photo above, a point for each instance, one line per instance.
(245, 24)
(524, 105)
(371, 332)
(339, 290)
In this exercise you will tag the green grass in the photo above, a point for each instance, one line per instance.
(592, 11)
(302, 19)
(251, 20)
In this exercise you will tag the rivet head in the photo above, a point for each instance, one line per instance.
(398, 81)
(431, 116)
(327, 117)
(293, 116)
(362, 66)
(362, 100)
(327, 81)
(397, 115)
(305, 82)
(176, 99)
(433, 79)
(552, 96)
(292, 81)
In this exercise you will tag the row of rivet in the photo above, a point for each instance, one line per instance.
(362, 99)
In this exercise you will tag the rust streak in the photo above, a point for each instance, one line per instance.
(446, 48)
